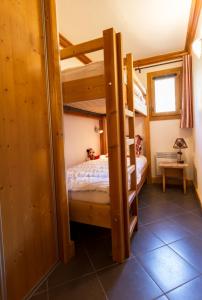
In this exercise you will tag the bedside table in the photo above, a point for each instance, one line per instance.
(174, 170)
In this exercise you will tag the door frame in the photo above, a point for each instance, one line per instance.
(66, 246)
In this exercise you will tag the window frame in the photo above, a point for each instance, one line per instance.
(177, 72)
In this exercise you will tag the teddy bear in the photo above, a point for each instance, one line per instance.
(91, 154)
(138, 144)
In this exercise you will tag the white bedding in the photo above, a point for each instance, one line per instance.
(89, 181)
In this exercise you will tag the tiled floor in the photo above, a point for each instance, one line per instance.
(165, 261)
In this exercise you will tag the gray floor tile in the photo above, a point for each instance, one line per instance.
(87, 288)
(191, 222)
(162, 298)
(168, 231)
(167, 268)
(144, 240)
(100, 252)
(189, 291)
(40, 296)
(190, 249)
(164, 217)
(128, 281)
(159, 212)
(77, 267)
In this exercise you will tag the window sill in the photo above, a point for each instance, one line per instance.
(164, 117)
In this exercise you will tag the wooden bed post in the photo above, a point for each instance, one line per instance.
(114, 147)
(122, 116)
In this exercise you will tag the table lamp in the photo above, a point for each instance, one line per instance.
(180, 144)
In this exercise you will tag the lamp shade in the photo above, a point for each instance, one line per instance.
(180, 144)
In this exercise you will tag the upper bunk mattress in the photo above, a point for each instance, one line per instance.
(89, 181)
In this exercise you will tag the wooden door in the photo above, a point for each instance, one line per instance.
(27, 191)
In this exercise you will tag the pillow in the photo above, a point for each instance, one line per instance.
(138, 144)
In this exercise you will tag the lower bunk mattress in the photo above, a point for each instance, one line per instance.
(89, 181)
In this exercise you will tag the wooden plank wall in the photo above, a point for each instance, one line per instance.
(27, 190)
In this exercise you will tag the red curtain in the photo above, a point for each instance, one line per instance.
(187, 98)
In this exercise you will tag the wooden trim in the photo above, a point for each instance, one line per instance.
(151, 94)
(103, 136)
(114, 147)
(198, 196)
(159, 58)
(64, 42)
(148, 141)
(84, 89)
(66, 246)
(90, 213)
(193, 23)
(86, 47)
(80, 112)
(165, 117)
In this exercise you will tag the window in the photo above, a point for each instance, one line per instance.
(164, 93)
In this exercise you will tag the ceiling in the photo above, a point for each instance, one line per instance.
(149, 27)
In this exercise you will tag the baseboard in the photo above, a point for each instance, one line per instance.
(197, 195)
(174, 181)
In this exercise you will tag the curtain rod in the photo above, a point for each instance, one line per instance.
(156, 65)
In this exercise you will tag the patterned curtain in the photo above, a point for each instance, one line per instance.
(187, 100)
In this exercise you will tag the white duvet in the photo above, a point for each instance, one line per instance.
(93, 175)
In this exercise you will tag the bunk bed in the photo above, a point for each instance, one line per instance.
(109, 88)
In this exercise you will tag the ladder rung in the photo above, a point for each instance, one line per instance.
(133, 222)
(131, 197)
(130, 141)
(129, 113)
(131, 169)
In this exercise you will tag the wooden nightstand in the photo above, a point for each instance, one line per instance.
(174, 170)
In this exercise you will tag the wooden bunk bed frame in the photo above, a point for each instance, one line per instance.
(121, 214)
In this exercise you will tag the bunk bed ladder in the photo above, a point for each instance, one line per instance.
(130, 114)
(127, 115)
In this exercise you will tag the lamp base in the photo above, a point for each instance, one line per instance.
(180, 161)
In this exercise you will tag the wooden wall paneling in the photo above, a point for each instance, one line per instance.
(2, 265)
(193, 23)
(122, 124)
(114, 147)
(27, 190)
(64, 42)
(66, 246)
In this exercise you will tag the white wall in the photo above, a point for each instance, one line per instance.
(79, 135)
(163, 133)
(197, 94)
